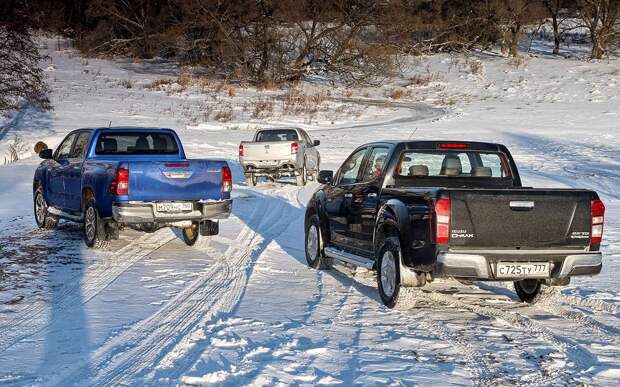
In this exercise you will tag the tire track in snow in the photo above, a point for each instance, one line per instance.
(581, 358)
(28, 321)
(129, 356)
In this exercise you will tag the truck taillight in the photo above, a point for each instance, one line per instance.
(598, 217)
(120, 184)
(226, 179)
(442, 221)
(294, 148)
(241, 152)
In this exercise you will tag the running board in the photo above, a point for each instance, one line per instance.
(349, 258)
(62, 214)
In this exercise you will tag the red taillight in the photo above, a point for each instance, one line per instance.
(294, 148)
(241, 150)
(598, 218)
(226, 179)
(120, 184)
(442, 221)
(451, 145)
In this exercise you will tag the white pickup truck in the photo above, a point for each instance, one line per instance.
(280, 152)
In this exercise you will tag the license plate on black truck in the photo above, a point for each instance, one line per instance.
(522, 270)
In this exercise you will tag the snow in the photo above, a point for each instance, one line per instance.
(243, 307)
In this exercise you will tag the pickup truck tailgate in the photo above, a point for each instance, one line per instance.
(515, 218)
(175, 180)
(273, 150)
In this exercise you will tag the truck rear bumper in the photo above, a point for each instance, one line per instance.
(482, 264)
(145, 212)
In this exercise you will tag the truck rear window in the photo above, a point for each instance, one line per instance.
(452, 164)
(136, 143)
(277, 135)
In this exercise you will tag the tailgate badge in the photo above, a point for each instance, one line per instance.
(177, 174)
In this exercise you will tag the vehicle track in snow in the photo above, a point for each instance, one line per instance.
(132, 354)
(80, 289)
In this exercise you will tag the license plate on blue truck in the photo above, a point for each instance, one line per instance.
(522, 269)
(174, 207)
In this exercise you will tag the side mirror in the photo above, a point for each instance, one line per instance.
(316, 143)
(326, 177)
(46, 154)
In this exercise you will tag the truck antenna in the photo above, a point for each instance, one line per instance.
(413, 132)
(110, 124)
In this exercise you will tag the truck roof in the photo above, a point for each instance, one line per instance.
(434, 144)
(128, 128)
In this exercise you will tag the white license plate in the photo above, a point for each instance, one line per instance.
(520, 269)
(174, 207)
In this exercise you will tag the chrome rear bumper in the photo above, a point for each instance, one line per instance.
(145, 212)
(482, 264)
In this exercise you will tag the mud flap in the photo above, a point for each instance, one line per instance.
(209, 227)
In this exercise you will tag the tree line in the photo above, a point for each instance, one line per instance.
(283, 40)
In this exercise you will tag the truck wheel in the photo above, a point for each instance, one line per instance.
(388, 272)
(251, 179)
(43, 218)
(94, 228)
(315, 256)
(191, 234)
(529, 290)
(301, 178)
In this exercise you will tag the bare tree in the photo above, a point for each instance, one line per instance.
(513, 16)
(21, 78)
(602, 20)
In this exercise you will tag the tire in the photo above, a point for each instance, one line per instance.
(191, 234)
(93, 227)
(251, 179)
(529, 290)
(43, 218)
(302, 177)
(388, 272)
(315, 256)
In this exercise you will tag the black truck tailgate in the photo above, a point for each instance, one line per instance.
(520, 218)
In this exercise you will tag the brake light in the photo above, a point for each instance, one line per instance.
(241, 152)
(442, 221)
(452, 145)
(598, 217)
(294, 148)
(226, 179)
(120, 184)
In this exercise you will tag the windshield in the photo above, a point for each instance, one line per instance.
(277, 135)
(453, 164)
(136, 143)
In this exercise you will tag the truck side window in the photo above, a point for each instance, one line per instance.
(376, 163)
(81, 143)
(64, 150)
(350, 169)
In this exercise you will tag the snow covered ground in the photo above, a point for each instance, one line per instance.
(242, 307)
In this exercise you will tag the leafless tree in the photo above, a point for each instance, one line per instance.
(602, 20)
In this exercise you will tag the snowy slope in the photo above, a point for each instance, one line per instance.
(242, 307)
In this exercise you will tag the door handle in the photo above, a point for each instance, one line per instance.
(372, 195)
(348, 195)
(521, 205)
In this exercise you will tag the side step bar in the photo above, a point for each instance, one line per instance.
(349, 258)
(62, 214)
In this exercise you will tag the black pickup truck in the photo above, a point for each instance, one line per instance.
(418, 210)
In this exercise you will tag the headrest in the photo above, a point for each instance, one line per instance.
(109, 145)
(451, 166)
(160, 143)
(482, 172)
(142, 143)
(418, 170)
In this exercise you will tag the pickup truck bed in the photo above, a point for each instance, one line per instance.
(436, 209)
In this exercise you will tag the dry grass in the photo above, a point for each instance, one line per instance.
(517, 62)
(263, 107)
(475, 67)
(225, 113)
(232, 91)
(615, 72)
(158, 84)
(397, 93)
(15, 149)
(296, 101)
(420, 80)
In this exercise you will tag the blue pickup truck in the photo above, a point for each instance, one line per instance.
(110, 178)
